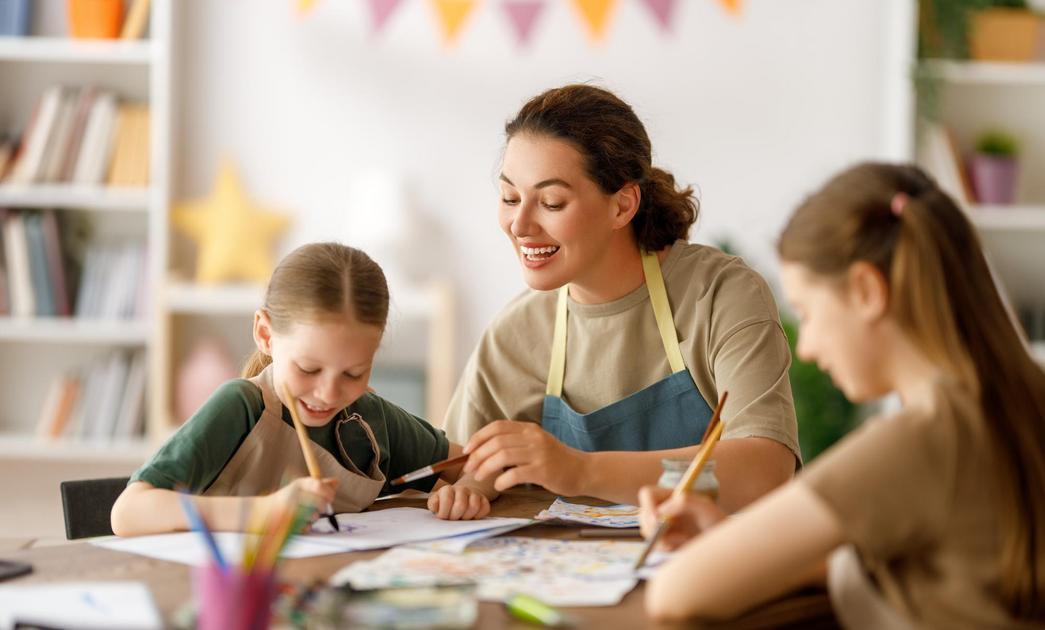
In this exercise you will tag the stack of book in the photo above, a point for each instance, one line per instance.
(41, 274)
(81, 136)
(102, 402)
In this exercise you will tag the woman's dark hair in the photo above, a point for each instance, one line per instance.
(617, 151)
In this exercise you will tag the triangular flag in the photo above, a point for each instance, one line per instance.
(381, 10)
(304, 6)
(596, 14)
(733, 6)
(523, 15)
(452, 14)
(664, 10)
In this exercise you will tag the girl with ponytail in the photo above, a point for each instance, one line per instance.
(933, 517)
(628, 334)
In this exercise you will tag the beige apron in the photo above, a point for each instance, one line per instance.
(856, 600)
(271, 454)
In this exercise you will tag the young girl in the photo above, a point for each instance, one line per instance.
(933, 517)
(322, 322)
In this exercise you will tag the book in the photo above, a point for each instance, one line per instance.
(66, 404)
(56, 262)
(82, 112)
(19, 279)
(129, 419)
(5, 295)
(112, 389)
(28, 166)
(58, 143)
(34, 237)
(96, 146)
(134, 24)
(50, 408)
(942, 160)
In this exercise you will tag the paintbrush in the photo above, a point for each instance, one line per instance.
(427, 471)
(711, 436)
(306, 449)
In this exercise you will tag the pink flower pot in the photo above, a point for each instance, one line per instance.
(994, 178)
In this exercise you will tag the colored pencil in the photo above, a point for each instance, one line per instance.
(197, 524)
(427, 471)
(306, 449)
(713, 433)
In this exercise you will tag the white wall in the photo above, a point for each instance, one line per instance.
(755, 111)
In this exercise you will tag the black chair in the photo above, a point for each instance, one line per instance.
(87, 504)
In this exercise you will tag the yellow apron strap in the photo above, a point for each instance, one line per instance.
(557, 367)
(658, 296)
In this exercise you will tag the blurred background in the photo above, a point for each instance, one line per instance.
(137, 138)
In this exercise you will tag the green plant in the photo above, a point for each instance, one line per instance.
(998, 143)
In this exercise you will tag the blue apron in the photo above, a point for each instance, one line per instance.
(670, 413)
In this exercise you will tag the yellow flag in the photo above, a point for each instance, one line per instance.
(304, 6)
(452, 15)
(732, 6)
(596, 14)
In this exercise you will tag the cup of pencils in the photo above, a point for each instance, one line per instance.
(241, 595)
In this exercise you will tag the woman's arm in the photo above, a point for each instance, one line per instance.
(511, 453)
(775, 546)
(145, 509)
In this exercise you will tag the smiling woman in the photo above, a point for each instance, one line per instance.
(649, 326)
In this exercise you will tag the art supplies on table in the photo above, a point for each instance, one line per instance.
(452, 606)
(707, 445)
(620, 515)
(359, 532)
(556, 572)
(537, 612)
(428, 471)
(607, 532)
(79, 605)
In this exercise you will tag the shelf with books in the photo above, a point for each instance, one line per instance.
(73, 330)
(988, 72)
(1009, 218)
(68, 50)
(75, 196)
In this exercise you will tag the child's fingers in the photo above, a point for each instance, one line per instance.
(433, 503)
(446, 502)
(460, 504)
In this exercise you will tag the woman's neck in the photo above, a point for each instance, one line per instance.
(615, 274)
(913, 375)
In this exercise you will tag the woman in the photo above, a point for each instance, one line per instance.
(629, 334)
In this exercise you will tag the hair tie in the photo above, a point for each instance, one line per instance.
(898, 203)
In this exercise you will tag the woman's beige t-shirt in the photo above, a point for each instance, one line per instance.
(917, 495)
(729, 333)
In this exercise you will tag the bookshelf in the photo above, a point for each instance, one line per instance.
(38, 349)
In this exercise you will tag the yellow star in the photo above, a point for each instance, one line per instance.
(233, 238)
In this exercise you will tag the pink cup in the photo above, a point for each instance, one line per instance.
(233, 600)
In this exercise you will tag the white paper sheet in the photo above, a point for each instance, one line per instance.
(362, 531)
(618, 516)
(557, 572)
(76, 605)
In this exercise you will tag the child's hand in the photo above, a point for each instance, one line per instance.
(458, 502)
(315, 492)
(690, 514)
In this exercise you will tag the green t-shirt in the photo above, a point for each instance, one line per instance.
(197, 453)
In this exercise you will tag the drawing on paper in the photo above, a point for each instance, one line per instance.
(617, 516)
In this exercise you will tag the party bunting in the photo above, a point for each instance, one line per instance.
(381, 10)
(596, 15)
(664, 11)
(452, 15)
(304, 6)
(732, 6)
(523, 15)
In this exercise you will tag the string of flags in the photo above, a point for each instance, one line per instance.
(523, 15)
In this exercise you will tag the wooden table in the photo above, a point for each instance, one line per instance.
(169, 582)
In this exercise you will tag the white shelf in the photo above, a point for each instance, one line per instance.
(72, 330)
(69, 50)
(1012, 73)
(28, 447)
(191, 299)
(74, 196)
(999, 218)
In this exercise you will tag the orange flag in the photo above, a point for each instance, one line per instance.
(452, 15)
(596, 14)
(732, 6)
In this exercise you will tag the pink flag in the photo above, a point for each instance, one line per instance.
(381, 10)
(664, 10)
(523, 15)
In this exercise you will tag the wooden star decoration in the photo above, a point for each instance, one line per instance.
(233, 237)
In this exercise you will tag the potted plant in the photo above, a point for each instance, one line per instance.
(994, 168)
(95, 19)
(1007, 31)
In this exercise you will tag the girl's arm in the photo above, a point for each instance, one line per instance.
(145, 509)
(775, 546)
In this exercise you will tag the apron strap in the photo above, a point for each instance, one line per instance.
(375, 464)
(557, 367)
(658, 296)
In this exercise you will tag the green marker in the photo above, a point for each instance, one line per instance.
(535, 611)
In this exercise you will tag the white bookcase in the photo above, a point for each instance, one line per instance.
(37, 350)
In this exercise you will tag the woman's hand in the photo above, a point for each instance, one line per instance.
(691, 514)
(523, 452)
(458, 502)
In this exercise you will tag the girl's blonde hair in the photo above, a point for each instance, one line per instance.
(321, 281)
(942, 294)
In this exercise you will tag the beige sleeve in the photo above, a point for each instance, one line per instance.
(752, 365)
(889, 484)
(462, 418)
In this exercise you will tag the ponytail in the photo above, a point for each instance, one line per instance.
(255, 364)
(665, 213)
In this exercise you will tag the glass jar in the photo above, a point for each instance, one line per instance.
(673, 470)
